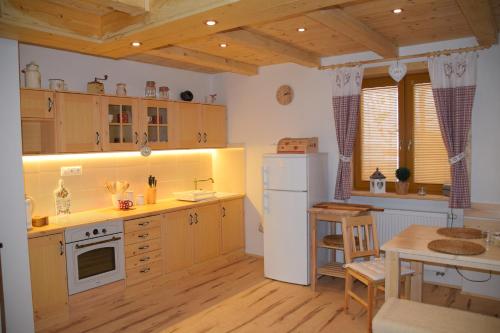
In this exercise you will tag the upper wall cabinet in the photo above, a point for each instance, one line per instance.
(78, 124)
(202, 126)
(120, 123)
(69, 122)
(213, 126)
(37, 104)
(157, 122)
(37, 121)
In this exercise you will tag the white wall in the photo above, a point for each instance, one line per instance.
(258, 121)
(15, 266)
(77, 69)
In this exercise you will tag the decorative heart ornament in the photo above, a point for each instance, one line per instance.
(397, 71)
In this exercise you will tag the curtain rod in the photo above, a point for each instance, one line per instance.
(420, 55)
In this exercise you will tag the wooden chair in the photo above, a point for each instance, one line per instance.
(360, 241)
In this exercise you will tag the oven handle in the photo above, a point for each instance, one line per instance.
(100, 242)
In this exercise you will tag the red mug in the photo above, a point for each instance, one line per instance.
(125, 204)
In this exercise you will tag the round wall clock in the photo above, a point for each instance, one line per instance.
(284, 95)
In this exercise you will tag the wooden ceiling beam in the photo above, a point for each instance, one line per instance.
(479, 15)
(341, 22)
(175, 26)
(250, 38)
(131, 7)
(46, 15)
(204, 60)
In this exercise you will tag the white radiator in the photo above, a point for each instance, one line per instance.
(392, 222)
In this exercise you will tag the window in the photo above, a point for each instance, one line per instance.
(399, 127)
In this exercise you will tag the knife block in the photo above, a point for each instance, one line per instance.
(151, 195)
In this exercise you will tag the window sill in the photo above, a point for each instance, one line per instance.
(410, 196)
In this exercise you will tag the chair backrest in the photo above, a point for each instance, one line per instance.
(360, 237)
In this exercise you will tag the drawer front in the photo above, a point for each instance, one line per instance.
(143, 259)
(142, 223)
(142, 235)
(143, 247)
(144, 272)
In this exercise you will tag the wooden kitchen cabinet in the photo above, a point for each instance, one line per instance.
(157, 122)
(78, 123)
(207, 237)
(189, 125)
(37, 121)
(120, 123)
(143, 249)
(37, 104)
(202, 126)
(48, 274)
(213, 126)
(232, 226)
(191, 236)
(178, 240)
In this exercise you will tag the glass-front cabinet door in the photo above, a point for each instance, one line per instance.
(121, 123)
(157, 118)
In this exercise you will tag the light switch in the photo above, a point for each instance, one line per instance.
(71, 171)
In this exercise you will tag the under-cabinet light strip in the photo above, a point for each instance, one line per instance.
(60, 157)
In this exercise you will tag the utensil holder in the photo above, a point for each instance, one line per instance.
(151, 195)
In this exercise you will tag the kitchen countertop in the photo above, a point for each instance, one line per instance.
(58, 224)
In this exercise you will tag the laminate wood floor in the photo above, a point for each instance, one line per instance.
(234, 297)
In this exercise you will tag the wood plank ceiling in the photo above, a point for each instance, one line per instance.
(257, 32)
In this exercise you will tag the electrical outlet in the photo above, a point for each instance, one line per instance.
(71, 171)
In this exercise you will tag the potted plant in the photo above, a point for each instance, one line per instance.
(402, 174)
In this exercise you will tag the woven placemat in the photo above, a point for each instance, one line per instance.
(456, 246)
(465, 233)
(333, 240)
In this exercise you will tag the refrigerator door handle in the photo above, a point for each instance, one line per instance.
(266, 203)
(265, 176)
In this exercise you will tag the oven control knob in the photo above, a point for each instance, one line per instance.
(87, 234)
(104, 231)
(95, 231)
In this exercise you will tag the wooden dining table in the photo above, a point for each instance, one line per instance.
(411, 244)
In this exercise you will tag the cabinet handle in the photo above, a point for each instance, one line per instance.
(145, 270)
(144, 247)
(146, 139)
(97, 138)
(143, 224)
(61, 248)
(195, 218)
(136, 138)
(223, 211)
(190, 219)
(50, 104)
(146, 235)
(205, 137)
(144, 259)
(199, 137)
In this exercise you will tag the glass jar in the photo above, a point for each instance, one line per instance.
(164, 92)
(150, 89)
(121, 89)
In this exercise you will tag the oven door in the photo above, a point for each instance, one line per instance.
(94, 262)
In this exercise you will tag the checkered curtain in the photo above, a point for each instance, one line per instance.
(346, 99)
(453, 81)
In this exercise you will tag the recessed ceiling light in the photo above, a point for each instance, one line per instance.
(136, 44)
(397, 10)
(223, 45)
(301, 29)
(210, 22)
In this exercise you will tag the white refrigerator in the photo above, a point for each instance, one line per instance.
(292, 184)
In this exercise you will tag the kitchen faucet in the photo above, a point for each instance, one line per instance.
(196, 181)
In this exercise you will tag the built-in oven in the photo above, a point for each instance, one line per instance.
(94, 255)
